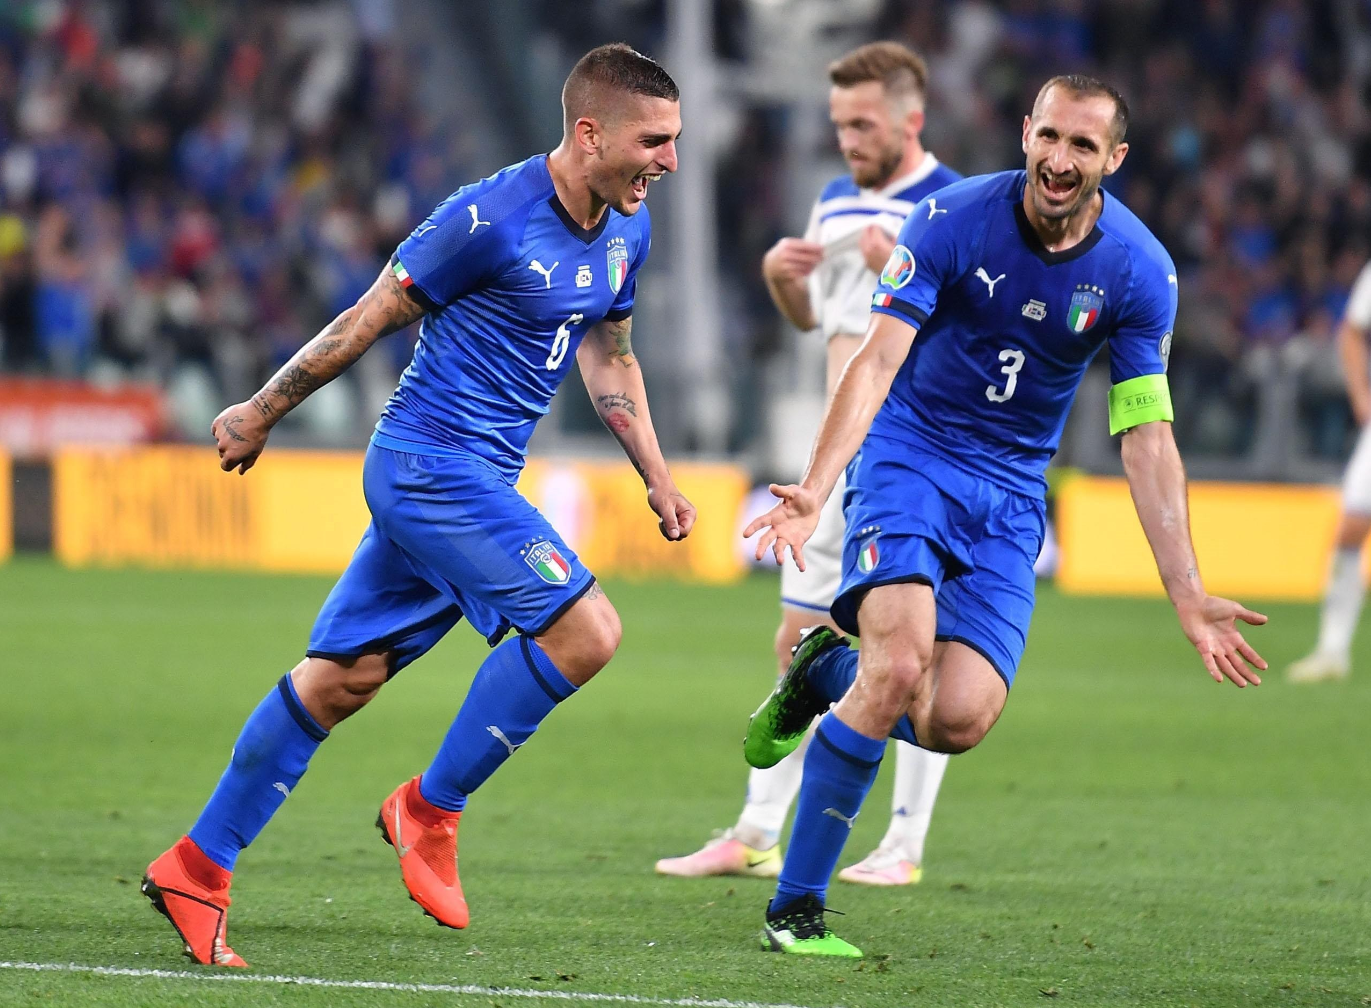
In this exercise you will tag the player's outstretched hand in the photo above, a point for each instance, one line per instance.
(791, 259)
(241, 434)
(789, 523)
(1211, 626)
(676, 513)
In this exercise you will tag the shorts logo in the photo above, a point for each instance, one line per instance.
(618, 263)
(868, 554)
(899, 268)
(548, 563)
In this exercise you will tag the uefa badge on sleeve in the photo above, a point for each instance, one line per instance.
(548, 563)
(618, 263)
(899, 268)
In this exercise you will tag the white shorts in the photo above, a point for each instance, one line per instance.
(814, 588)
(1356, 481)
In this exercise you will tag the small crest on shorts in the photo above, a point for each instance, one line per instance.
(547, 562)
(868, 553)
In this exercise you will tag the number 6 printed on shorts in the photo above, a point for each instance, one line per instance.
(1011, 373)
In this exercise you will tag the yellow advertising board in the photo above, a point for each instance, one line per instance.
(6, 508)
(1252, 540)
(304, 512)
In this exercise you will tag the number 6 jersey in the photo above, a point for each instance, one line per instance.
(511, 284)
(1007, 328)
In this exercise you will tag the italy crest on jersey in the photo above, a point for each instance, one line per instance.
(548, 563)
(899, 268)
(618, 263)
(1086, 305)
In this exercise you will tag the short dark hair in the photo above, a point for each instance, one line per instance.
(897, 68)
(1082, 86)
(610, 68)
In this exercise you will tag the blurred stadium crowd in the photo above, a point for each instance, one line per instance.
(189, 189)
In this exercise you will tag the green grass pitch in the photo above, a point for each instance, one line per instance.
(1130, 834)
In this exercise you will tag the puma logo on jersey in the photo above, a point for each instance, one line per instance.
(537, 267)
(1171, 278)
(983, 275)
(503, 738)
(475, 219)
(933, 207)
(838, 815)
(282, 788)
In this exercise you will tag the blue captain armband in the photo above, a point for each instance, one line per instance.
(1138, 401)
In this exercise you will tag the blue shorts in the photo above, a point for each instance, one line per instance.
(449, 537)
(913, 516)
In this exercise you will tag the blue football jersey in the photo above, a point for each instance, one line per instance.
(1007, 328)
(512, 284)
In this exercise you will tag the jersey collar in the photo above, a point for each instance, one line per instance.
(1035, 244)
(587, 235)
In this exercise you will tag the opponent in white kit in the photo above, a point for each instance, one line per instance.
(825, 281)
(1346, 587)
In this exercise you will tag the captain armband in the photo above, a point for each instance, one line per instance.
(1138, 401)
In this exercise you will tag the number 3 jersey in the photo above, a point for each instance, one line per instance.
(1007, 328)
(511, 284)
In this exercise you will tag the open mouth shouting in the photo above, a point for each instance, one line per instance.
(640, 183)
(1058, 190)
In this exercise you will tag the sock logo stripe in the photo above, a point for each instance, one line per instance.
(297, 710)
(846, 756)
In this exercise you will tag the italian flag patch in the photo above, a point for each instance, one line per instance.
(548, 563)
(868, 556)
(402, 274)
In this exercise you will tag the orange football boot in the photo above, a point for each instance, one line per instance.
(425, 838)
(176, 884)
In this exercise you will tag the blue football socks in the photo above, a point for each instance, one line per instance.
(514, 689)
(834, 671)
(269, 758)
(840, 768)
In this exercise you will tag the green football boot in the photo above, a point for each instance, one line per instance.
(800, 930)
(777, 726)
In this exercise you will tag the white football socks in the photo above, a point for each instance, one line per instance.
(769, 795)
(918, 776)
(1341, 604)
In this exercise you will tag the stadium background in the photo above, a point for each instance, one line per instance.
(191, 189)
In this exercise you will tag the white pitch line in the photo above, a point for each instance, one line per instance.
(385, 985)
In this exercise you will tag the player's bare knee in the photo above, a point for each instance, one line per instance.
(603, 637)
(334, 689)
(955, 732)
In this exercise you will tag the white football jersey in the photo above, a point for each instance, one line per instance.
(840, 287)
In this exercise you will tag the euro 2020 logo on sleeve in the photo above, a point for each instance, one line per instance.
(899, 268)
(618, 263)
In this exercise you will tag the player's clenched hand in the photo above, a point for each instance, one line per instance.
(1211, 626)
(876, 244)
(676, 513)
(241, 434)
(789, 523)
(791, 259)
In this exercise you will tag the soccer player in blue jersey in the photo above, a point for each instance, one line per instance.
(824, 281)
(514, 277)
(990, 308)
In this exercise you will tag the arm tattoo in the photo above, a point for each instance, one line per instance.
(384, 309)
(617, 400)
(594, 591)
(621, 332)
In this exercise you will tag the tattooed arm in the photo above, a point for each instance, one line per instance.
(241, 431)
(615, 383)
